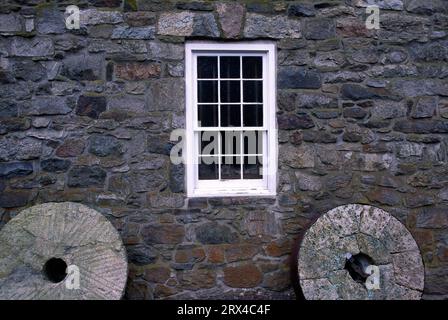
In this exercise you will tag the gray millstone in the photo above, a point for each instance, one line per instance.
(354, 229)
(69, 231)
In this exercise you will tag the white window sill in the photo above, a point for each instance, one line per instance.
(197, 193)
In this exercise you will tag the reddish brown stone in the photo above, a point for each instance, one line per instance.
(70, 148)
(197, 279)
(162, 291)
(231, 18)
(189, 255)
(157, 274)
(242, 276)
(215, 254)
(137, 70)
(163, 234)
(138, 290)
(278, 248)
(352, 27)
(240, 252)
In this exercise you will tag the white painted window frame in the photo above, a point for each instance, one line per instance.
(232, 188)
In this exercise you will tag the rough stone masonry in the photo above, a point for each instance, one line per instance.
(85, 116)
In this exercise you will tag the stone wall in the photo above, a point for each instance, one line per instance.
(85, 116)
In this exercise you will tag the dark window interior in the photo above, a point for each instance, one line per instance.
(222, 104)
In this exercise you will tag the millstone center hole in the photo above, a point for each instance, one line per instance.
(356, 266)
(55, 270)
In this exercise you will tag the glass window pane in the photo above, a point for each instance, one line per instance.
(208, 142)
(208, 67)
(252, 168)
(208, 168)
(208, 115)
(230, 115)
(253, 142)
(231, 142)
(207, 91)
(231, 168)
(253, 115)
(253, 91)
(252, 67)
(230, 91)
(230, 67)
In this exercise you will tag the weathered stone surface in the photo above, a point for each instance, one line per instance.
(24, 149)
(28, 70)
(187, 23)
(344, 232)
(35, 47)
(83, 177)
(214, 233)
(8, 109)
(204, 25)
(10, 22)
(178, 24)
(50, 21)
(195, 6)
(298, 78)
(383, 110)
(137, 71)
(355, 113)
(161, 50)
(103, 146)
(43, 232)
(425, 107)
(91, 106)
(15, 169)
(319, 29)
(55, 165)
(166, 95)
(352, 27)
(157, 274)
(48, 106)
(136, 33)
(425, 7)
(177, 178)
(94, 17)
(233, 276)
(230, 18)
(307, 182)
(432, 218)
(297, 157)
(83, 67)
(14, 124)
(416, 88)
(357, 92)
(292, 121)
(318, 137)
(197, 279)
(421, 126)
(277, 27)
(240, 252)
(301, 10)
(13, 199)
(382, 4)
(163, 234)
(70, 148)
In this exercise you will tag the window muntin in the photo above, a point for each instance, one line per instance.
(231, 99)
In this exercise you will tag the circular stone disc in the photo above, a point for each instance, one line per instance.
(353, 229)
(78, 235)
